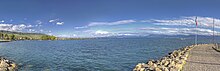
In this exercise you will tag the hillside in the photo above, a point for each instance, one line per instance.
(9, 35)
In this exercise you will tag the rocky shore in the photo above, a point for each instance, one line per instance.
(7, 65)
(172, 62)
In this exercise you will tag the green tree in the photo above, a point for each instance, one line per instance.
(52, 38)
(6, 37)
(1, 36)
(12, 37)
(47, 37)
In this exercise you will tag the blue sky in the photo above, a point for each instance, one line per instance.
(101, 18)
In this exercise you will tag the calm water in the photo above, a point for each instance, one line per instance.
(107, 54)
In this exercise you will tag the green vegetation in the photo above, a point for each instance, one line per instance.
(7, 35)
(47, 37)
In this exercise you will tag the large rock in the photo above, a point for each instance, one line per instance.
(3, 64)
(139, 67)
(172, 62)
(7, 65)
(157, 69)
(3, 69)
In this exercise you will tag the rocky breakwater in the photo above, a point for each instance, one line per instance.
(172, 62)
(7, 65)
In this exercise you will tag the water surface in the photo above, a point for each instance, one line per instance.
(106, 54)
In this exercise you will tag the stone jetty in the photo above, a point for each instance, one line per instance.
(174, 61)
(7, 65)
(203, 58)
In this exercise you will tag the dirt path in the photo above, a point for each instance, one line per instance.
(203, 58)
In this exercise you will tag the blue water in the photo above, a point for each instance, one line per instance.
(106, 54)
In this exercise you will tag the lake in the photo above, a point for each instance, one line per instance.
(104, 54)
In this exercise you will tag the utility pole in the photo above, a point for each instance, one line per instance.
(196, 31)
(213, 28)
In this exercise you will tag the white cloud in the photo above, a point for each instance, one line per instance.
(31, 30)
(2, 21)
(124, 34)
(18, 27)
(11, 27)
(205, 25)
(56, 21)
(176, 26)
(101, 32)
(29, 26)
(111, 23)
(106, 23)
(81, 27)
(148, 31)
(95, 33)
(39, 22)
(53, 20)
(68, 36)
(186, 21)
(41, 30)
(60, 23)
(177, 31)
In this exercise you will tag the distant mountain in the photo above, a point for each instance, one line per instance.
(158, 36)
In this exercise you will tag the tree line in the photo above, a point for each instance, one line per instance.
(4, 36)
(7, 36)
(47, 37)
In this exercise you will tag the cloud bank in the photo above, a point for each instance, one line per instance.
(106, 23)
(177, 31)
(186, 21)
(173, 26)
(12, 27)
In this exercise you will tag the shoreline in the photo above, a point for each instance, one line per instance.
(5, 40)
(174, 61)
(7, 65)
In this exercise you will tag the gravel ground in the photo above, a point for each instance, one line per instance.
(203, 58)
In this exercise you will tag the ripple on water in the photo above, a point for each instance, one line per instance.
(89, 55)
